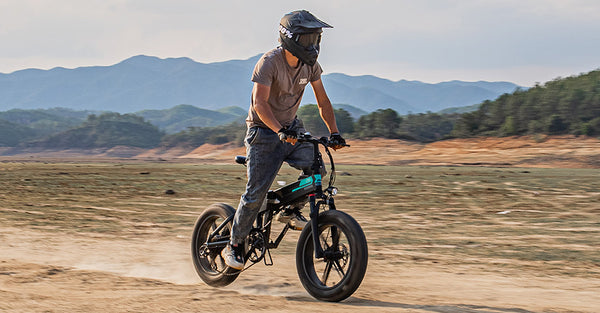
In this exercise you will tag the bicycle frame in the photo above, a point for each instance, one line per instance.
(278, 199)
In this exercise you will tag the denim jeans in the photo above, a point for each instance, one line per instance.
(265, 154)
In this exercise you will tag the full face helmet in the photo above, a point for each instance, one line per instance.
(300, 34)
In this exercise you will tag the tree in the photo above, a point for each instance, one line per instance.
(197, 136)
(381, 123)
(556, 125)
(428, 126)
(508, 128)
(311, 117)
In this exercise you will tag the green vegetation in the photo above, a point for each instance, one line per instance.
(314, 124)
(41, 121)
(562, 106)
(197, 136)
(18, 126)
(180, 117)
(422, 127)
(12, 134)
(106, 130)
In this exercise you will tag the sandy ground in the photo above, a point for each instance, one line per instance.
(52, 271)
(42, 273)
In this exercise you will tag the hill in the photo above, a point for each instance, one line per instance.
(12, 134)
(150, 83)
(403, 96)
(354, 111)
(44, 122)
(135, 84)
(105, 131)
(182, 116)
(562, 106)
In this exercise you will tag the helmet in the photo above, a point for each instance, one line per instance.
(300, 34)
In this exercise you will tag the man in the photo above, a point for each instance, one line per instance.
(280, 77)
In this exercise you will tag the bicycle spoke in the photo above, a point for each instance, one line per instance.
(211, 261)
(326, 273)
(339, 268)
(324, 236)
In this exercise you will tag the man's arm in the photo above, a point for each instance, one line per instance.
(325, 107)
(260, 98)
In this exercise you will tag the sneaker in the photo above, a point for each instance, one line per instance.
(293, 219)
(233, 256)
(297, 222)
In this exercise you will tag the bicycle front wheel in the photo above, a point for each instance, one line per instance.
(336, 276)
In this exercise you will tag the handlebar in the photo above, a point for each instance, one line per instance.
(307, 137)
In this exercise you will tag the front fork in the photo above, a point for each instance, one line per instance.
(314, 220)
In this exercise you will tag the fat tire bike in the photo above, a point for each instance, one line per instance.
(331, 253)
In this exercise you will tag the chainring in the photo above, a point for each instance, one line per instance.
(257, 246)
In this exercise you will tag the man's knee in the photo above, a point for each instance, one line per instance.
(251, 202)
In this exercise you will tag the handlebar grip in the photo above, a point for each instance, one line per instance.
(239, 159)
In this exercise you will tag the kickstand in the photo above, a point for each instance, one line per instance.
(268, 254)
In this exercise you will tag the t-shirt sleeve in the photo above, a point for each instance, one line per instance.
(316, 72)
(264, 71)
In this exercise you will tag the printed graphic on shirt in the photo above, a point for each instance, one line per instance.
(303, 81)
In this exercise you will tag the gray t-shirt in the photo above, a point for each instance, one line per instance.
(287, 86)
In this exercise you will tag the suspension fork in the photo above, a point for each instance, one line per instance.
(314, 220)
(312, 198)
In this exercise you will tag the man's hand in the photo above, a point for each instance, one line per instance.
(336, 141)
(288, 135)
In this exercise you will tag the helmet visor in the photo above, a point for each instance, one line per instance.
(308, 40)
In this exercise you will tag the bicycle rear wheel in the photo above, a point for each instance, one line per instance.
(208, 262)
(339, 274)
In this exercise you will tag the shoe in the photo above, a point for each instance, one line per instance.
(293, 219)
(297, 222)
(233, 256)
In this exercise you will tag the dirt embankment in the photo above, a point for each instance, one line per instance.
(565, 151)
(558, 151)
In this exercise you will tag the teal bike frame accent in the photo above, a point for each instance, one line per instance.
(309, 181)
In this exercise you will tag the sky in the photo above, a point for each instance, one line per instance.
(521, 41)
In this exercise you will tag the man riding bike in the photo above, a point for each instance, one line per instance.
(280, 77)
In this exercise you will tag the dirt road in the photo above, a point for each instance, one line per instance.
(80, 235)
(48, 272)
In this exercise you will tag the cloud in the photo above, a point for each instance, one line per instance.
(391, 38)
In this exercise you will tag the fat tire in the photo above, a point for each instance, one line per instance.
(218, 277)
(357, 262)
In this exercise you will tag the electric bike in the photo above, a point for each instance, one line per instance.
(331, 253)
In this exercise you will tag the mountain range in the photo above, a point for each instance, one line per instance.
(150, 83)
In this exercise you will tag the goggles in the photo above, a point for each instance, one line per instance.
(308, 40)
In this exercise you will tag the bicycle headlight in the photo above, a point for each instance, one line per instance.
(333, 191)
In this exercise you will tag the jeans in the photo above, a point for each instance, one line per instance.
(265, 154)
